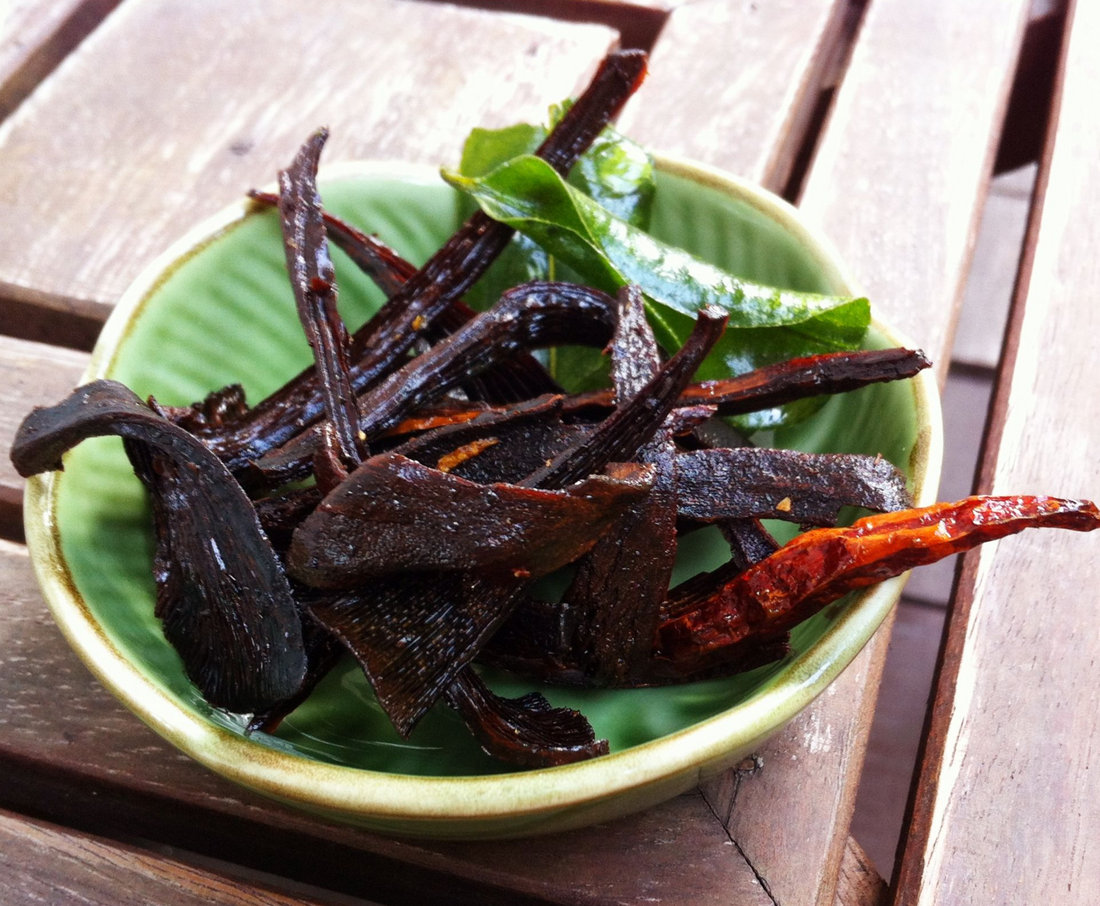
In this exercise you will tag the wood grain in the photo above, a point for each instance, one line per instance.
(70, 753)
(103, 169)
(34, 375)
(43, 863)
(859, 884)
(1008, 802)
(734, 84)
(901, 172)
(35, 35)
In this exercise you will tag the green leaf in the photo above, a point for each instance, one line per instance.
(766, 324)
(615, 172)
(522, 260)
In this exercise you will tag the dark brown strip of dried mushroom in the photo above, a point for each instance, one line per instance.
(412, 635)
(222, 595)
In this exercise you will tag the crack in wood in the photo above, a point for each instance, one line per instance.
(760, 879)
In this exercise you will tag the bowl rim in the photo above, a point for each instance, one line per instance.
(349, 792)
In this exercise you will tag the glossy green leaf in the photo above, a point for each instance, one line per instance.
(766, 324)
(615, 172)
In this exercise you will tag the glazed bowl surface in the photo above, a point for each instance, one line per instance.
(216, 308)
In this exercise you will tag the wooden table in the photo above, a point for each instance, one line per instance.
(128, 121)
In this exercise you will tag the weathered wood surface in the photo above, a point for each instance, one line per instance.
(71, 753)
(908, 137)
(34, 375)
(900, 175)
(134, 138)
(35, 35)
(1009, 798)
(859, 883)
(43, 863)
(734, 84)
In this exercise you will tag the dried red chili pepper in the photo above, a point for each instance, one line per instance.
(821, 566)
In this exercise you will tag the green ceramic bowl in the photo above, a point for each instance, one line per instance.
(217, 308)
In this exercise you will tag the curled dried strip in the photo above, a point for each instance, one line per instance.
(224, 601)
(807, 488)
(379, 346)
(395, 515)
(820, 566)
(413, 634)
(323, 653)
(763, 388)
(526, 317)
(513, 380)
(521, 441)
(796, 379)
(619, 436)
(620, 584)
(314, 282)
(526, 731)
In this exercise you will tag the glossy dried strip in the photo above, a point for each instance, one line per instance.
(314, 282)
(821, 566)
(806, 488)
(763, 388)
(378, 346)
(412, 635)
(619, 586)
(526, 731)
(514, 380)
(523, 439)
(224, 600)
(619, 436)
(394, 515)
(527, 317)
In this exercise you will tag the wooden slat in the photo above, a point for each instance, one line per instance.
(171, 109)
(1009, 797)
(901, 172)
(913, 132)
(34, 375)
(734, 84)
(35, 35)
(72, 754)
(43, 863)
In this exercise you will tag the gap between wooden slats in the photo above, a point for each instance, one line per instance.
(1006, 805)
(35, 35)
